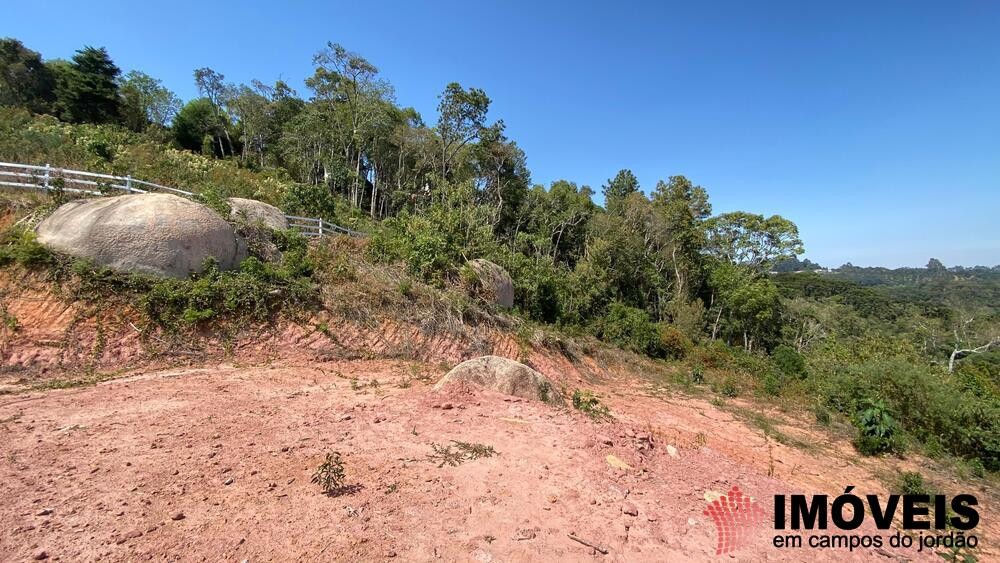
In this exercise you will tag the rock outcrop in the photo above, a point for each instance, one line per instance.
(253, 211)
(493, 283)
(504, 376)
(158, 234)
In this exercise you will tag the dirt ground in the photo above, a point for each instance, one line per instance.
(215, 463)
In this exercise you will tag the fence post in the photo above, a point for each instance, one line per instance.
(46, 181)
(128, 183)
(320, 223)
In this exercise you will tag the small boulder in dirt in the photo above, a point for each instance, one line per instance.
(504, 376)
(491, 282)
(159, 234)
(257, 212)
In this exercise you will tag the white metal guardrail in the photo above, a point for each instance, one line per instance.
(48, 178)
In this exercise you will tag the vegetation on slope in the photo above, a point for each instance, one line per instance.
(652, 271)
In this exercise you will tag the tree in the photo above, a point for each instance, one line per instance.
(684, 207)
(195, 122)
(211, 85)
(146, 101)
(358, 104)
(87, 88)
(973, 334)
(618, 189)
(751, 240)
(935, 266)
(503, 178)
(461, 118)
(748, 305)
(25, 81)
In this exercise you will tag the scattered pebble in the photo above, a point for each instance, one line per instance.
(177, 516)
(630, 509)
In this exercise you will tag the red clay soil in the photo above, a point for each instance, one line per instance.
(215, 464)
(183, 458)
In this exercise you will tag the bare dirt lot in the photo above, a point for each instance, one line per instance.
(215, 464)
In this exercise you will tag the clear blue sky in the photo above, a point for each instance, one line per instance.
(875, 126)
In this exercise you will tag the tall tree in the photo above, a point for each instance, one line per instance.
(502, 177)
(684, 208)
(617, 190)
(25, 81)
(87, 87)
(357, 101)
(196, 125)
(752, 240)
(212, 86)
(146, 102)
(461, 119)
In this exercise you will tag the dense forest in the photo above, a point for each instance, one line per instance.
(910, 357)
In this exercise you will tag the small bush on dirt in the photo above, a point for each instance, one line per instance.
(911, 483)
(330, 474)
(977, 468)
(878, 431)
(588, 403)
(729, 387)
(20, 246)
(257, 290)
(698, 374)
(458, 452)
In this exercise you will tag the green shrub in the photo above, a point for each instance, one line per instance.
(773, 383)
(673, 343)
(698, 374)
(729, 387)
(878, 431)
(330, 474)
(911, 483)
(309, 200)
(977, 468)
(631, 329)
(21, 246)
(924, 402)
(789, 362)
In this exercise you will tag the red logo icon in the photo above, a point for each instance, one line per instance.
(735, 516)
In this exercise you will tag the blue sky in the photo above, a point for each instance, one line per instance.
(875, 126)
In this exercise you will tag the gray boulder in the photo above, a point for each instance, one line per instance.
(159, 234)
(493, 283)
(504, 376)
(253, 211)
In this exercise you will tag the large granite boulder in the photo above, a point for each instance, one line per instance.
(492, 282)
(158, 234)
(504, 376)
(257, 212)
